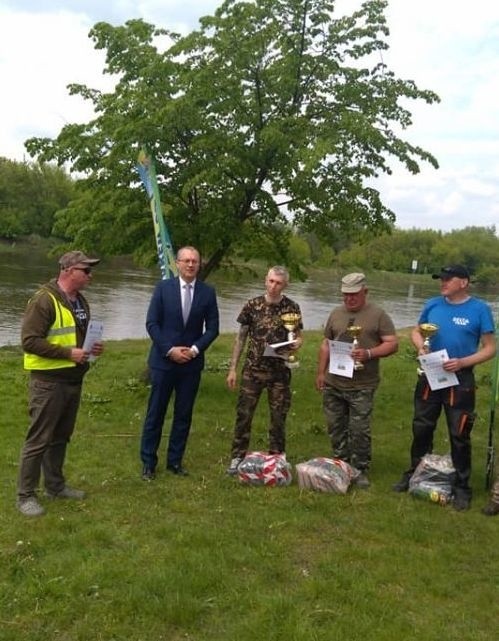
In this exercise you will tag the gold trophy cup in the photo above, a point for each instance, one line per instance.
(291, 321)
(426, 330)
(354, 332)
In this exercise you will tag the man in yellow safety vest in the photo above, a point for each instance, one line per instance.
(53, 332)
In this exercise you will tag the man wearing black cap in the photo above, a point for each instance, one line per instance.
(466, 331)
(52, 335)
(348, 401)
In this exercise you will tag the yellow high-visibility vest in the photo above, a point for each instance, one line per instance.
(63, 333)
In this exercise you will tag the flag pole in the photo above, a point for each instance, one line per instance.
(166, 255)
(494, 397)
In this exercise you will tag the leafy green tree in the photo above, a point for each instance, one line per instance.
(488, 275)
(417, 244)
(321, 253)
(30, 196)
(476, 247)
(273, 112)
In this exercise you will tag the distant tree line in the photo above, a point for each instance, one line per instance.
(420, 251)
(30, 196)
(400, 249)
(475, 247)
(34, 197)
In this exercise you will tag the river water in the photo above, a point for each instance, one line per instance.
(119, 295)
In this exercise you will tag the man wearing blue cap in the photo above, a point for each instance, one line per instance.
(466, 331)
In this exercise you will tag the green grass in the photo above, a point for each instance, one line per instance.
(203, 558)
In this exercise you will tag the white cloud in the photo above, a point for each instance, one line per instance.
(475, 186)
(45, 48)
(453, 49)
(448, 47)
(451, 203)
(40, 55)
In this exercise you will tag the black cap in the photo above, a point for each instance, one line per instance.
(453, 271)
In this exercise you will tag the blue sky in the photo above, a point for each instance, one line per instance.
(447, 46)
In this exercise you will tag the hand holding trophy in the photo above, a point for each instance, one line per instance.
(427, 330)
(291, 321)
(354, 332)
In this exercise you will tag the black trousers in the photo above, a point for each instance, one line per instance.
(458, 403)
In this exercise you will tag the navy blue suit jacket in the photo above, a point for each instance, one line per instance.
(165, 325)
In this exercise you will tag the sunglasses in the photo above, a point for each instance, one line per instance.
(87, 270)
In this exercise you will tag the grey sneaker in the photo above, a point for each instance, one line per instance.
(234, 466)
(30, 507)
(362, 482)
(67, 493)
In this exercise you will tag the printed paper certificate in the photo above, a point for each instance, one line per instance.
(340, 358)
(94, 334)
(271, 350)
(432, 366)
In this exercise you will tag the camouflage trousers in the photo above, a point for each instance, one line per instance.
(348, 414)
(279, 397)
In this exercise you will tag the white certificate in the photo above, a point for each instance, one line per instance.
(432, 365)
(271, 350)
(94, 334)
(340, 358)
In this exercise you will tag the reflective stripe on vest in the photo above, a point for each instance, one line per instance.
(62, 333)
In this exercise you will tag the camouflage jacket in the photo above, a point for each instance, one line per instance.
(265, 326)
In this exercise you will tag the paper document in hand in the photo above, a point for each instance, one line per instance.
(94, 334)
(340, 358)
(432, 365)
(271, 350)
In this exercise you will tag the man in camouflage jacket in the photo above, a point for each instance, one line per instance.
(261, 321)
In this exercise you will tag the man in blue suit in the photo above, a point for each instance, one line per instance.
(182, 322)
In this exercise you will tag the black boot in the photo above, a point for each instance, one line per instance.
(461, 500)
(403, 484)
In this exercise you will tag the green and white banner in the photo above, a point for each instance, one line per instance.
(166, 255)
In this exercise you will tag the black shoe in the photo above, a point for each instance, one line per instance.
(461, 502)
(403, 484)
(491, 509)
(178, 470)
(148, 474)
